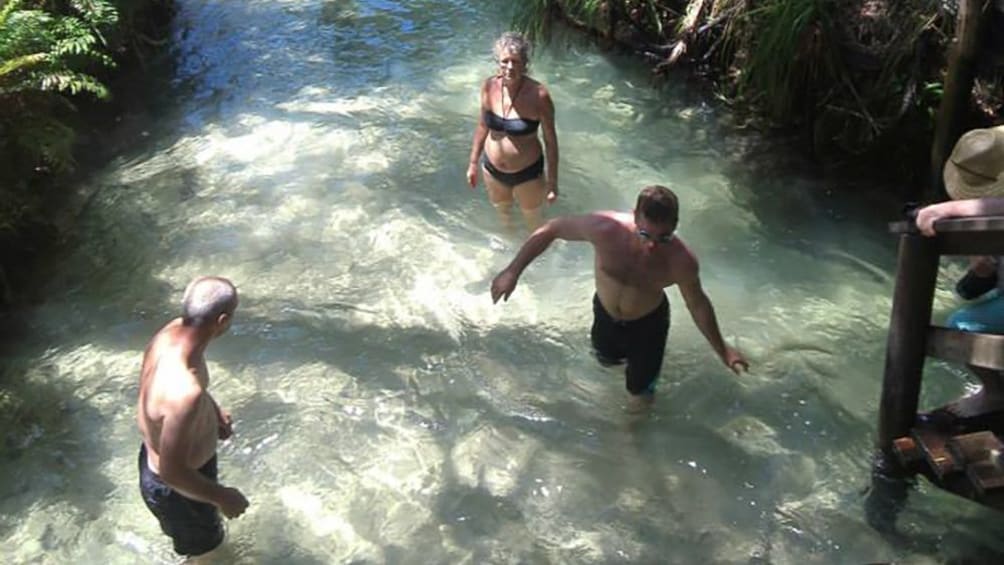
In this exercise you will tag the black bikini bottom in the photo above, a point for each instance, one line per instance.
(519, 177)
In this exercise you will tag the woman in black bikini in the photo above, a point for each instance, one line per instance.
(513, 108)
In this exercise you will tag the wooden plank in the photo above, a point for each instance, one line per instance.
(983, 235)
(946, 225)
(982, 350)
(934, 447)
(917, 270)
(985, 477)
(907, 452)
(975, 447)
(971, 243)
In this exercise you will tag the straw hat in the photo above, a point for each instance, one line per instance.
(976, 167)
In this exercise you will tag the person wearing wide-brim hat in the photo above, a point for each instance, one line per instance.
(974, 179)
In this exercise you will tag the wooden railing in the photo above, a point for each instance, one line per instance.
(911, 335)
(958, 458)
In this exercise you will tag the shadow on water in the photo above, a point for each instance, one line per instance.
(813, 215)
(48, 454)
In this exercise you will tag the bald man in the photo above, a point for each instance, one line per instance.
(181, 422)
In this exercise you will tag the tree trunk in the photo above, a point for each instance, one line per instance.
(969, 30)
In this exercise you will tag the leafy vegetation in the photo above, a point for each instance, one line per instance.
(858, 78)
(46, 56)
(54, 54)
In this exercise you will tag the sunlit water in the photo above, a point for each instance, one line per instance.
(386, 410)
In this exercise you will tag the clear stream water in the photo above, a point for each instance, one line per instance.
(386, 411)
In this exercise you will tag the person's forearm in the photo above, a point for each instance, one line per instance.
(478, 143)
(551, 154)
(536, 244)
(979, 207)
(219, 411)
(706, 321)
(968, 208)
(192, 484)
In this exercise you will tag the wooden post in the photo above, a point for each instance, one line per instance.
(958, 87)
(917, 272)
(907, 348)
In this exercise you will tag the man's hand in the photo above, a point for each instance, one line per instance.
(503, 285)
(735, 361)
(927, 215)
(233, 504)
(472, 175)
(225, 426)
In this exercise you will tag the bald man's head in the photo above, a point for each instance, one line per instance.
(206, 298)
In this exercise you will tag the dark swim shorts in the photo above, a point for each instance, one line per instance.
(641, 342)
(195, 527)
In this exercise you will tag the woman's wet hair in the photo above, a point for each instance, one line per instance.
(512, 42)
(658, 204)
(205, 299)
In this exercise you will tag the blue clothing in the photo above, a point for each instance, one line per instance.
(983, 316)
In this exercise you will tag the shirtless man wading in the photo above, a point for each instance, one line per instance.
(181, 422)
(637, 256)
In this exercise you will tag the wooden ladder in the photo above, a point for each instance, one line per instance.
(964, 459)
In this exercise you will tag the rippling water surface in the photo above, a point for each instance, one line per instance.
(314, 152)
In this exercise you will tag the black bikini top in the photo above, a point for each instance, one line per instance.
(510, 126)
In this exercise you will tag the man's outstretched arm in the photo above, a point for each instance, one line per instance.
(569, 228)
(703, 313)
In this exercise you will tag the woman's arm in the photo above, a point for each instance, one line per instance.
(550, 143)
(480, 134)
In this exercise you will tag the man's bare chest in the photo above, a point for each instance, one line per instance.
(637, 271)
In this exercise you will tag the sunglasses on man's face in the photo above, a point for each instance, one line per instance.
(662, 239)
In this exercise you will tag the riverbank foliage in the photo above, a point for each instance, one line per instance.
(860, 80)
(55, 55)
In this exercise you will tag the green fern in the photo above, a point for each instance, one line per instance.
(45, 44)
(44, 56)
(74, 83)
(24, 62)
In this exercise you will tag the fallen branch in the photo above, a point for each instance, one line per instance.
(688, 30)
(680, 48)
